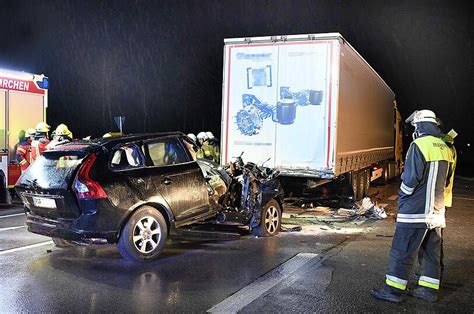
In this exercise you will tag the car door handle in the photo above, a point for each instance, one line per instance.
(167, 180)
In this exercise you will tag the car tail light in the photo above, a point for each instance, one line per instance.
(85, 187)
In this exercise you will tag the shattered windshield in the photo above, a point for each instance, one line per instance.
(53, 170)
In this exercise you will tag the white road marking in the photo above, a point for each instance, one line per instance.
(248, 294)
(12, 228)
(21, 248)
(12, 215)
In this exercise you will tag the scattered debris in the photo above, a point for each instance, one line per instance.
(357, 215)
(293, 228)
(371, 210)
(393, 197)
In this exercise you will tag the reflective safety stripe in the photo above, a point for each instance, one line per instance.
(412, 216)
(412, 221)
(406, 189)
(23, 161)
(430, 186)
(396, 282)
(21, 149)
(429, 282)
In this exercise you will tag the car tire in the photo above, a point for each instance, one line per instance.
(270, 220)
(62, 243)
(144, 236)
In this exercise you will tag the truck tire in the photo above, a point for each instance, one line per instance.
(361, 183)
(270, 220)
(61, 243)
(366, 182)
(144, 236)
(384, 178)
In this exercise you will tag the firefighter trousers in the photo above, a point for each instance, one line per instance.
(407, 244)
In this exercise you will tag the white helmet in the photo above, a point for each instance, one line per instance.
(202, 136)
(209, 135)
(422, 116)
(192, 136)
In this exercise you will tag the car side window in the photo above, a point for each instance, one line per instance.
(126, 157)
(166, 152)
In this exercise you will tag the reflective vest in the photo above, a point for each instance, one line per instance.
(424, 191)
(208, 151)
(23, 155)
(38, 147)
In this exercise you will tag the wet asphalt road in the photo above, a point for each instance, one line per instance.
(195, 275)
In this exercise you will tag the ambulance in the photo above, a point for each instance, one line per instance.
(23, 103)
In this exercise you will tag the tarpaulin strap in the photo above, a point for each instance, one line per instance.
(395, 282)
(429, 282)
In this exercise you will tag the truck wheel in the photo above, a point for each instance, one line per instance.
(270, 220)
(144, 236)
(384, 179)
(62, 243)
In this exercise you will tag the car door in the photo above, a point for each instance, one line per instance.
(177, 177)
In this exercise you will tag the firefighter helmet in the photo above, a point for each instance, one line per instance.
(30, 132)
(42, 127)
(202, 136)
(62, 130)
(192, 136)
(210, 135)
(422, 116)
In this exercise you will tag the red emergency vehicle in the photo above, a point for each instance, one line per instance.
(23, 103)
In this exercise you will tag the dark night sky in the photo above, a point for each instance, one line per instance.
(159, 63)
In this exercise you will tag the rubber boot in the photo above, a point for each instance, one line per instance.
(387, 294)
(424, 293)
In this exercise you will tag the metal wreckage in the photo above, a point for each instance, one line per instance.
(246, 194)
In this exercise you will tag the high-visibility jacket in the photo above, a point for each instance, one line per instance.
(208, 151)
(23, 155)
(423, 193)
(38, 146)
(448, 192)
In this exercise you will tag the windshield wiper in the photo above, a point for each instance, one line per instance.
(32, 183)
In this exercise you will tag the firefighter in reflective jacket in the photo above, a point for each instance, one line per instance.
(38, 146)
(206, 150)
(425, 190)
(62, 135)
(23, 151)
(214, 143)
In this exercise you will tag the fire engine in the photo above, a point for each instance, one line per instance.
(23, 103)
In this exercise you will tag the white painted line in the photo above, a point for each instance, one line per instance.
(12, 215)
(248, 294)
(12, 228)
(21, 248)
(463, 198)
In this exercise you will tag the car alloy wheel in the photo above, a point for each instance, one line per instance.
(272, 219)
(146, 234)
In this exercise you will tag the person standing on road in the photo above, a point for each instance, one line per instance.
(214, 143)
(23, 151)
(38, 145)
(422, 194)
(62, 135)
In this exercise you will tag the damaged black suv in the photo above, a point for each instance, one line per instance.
(133, 190)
